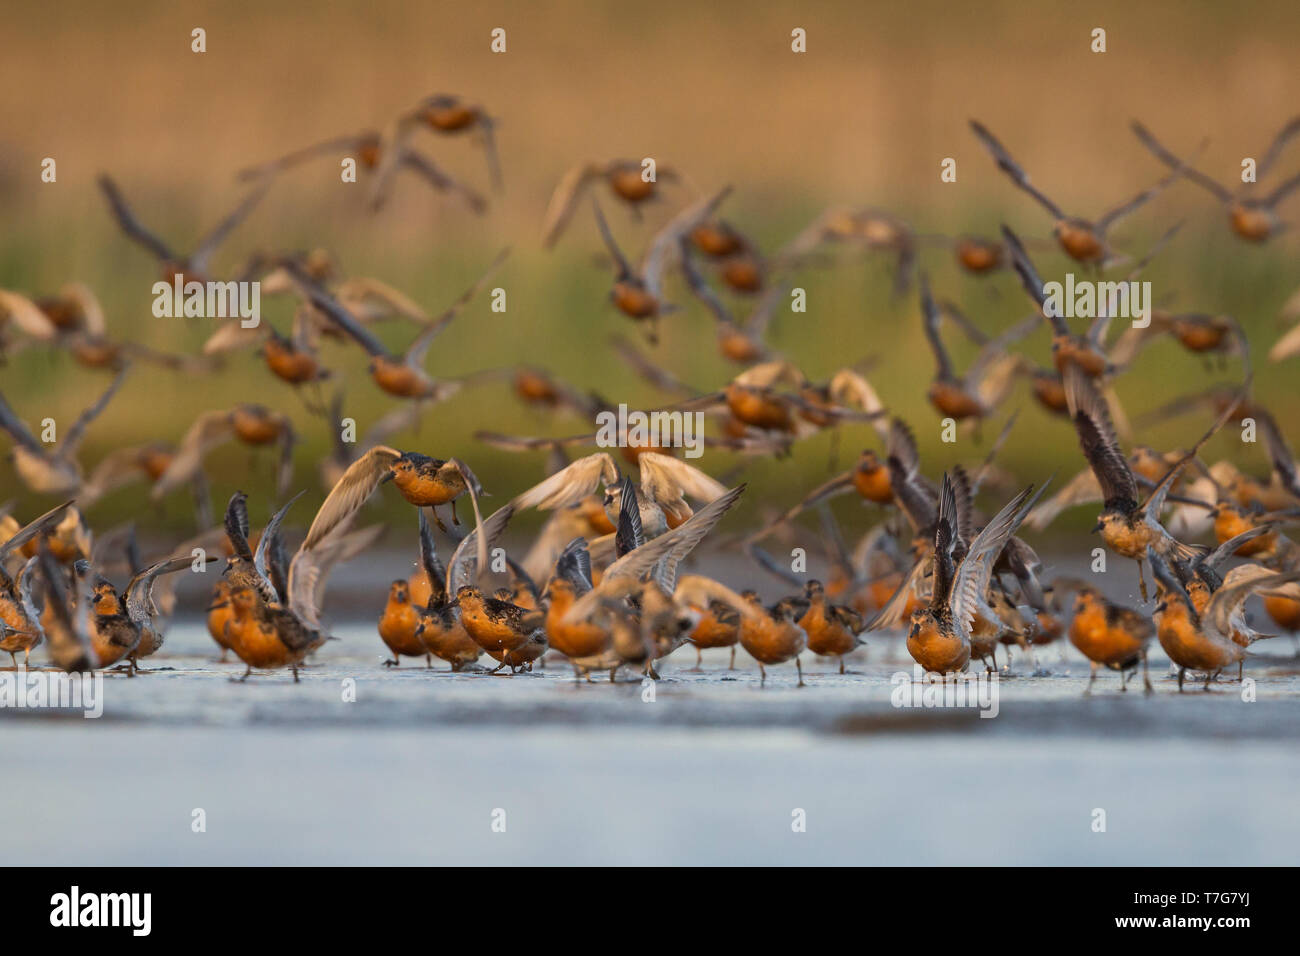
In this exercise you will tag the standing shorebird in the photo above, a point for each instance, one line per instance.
(1219, 636)
(940, 635)
(1110, 635)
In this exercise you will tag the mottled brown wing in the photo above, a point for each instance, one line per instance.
(351, 492)
(1098, 442)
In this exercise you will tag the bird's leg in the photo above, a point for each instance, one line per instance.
(1087, 691)
(1123, 681)
(1209, 675)
(434, 511)
(1181, 672)
(246, 673)
(762, 673)
(799, 664)
(395, 662)
(841, 663)
(1146, 675)
(454, 519)
(1142, 581)
(295, 674)
(732, 665)
(428, 662)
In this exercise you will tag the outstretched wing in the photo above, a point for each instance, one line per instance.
(620, 261)
(464, 567)
(127, 222)
(415, 354)
(209, 243)
(1012, 168)
(1082, 489)
(32, 529)
(350, 492)
(1241, 582)
(18, 430)
(661, 555)
(1284, 135)
(628, 536)
(1031, 281)
(237, 525)
(432, 566)
(353, 142)
(269, 542)
(574, 566)
(433, 174)
(932, 320)
(571, 485)
(208, 431)
(1156, 501)
(310, 569)
(565, 199)
(891, 615)
(140, 606)
(1281, 192)
(1112, 216)
(1173, 162)
(973, 575)
(27, 315)
(666, 481)
(330, 307)
(664, 245)
(73, 436)
(1098, 441)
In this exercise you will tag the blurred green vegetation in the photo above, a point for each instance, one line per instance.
(863, 119)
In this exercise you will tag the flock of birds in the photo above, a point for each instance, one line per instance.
(602, 584)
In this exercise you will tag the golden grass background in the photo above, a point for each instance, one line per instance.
(883, 94)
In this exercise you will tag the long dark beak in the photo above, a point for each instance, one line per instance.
(1097, 527)
(388, 477)
(218, 605)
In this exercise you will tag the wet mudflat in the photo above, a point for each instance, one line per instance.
(712, 769)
